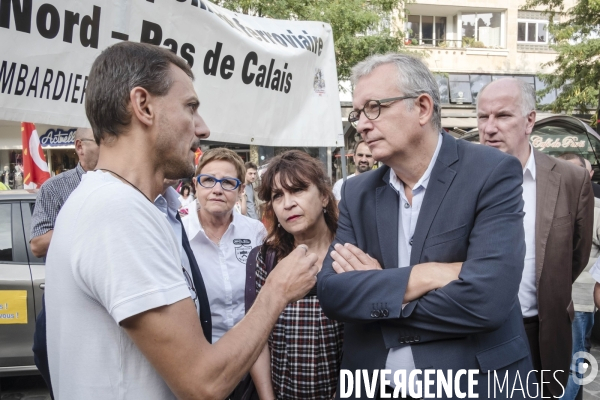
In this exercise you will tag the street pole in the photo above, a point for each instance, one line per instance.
(343, 155)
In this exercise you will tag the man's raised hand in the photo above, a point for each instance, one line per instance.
(348, 258)
(295, 275)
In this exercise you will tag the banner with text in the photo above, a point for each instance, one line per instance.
(260, 81)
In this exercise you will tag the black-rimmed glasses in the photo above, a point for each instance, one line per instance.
(372, 108)
(209, 182)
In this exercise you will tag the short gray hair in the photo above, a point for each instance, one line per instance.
(526, 90)
(413, 78)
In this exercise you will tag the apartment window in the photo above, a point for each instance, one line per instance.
(532, 31)
(465, 88)
(426, 30)
(477, 83)
(442, 82)
(549, 97)
(482, 29)
(460, 89)
(383, 26)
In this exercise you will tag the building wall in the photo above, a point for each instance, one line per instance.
(511, 58)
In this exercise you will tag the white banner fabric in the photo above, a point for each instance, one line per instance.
(260, 81)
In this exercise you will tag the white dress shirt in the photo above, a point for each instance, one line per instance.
(401, 358)
(337, 188)
(168, 205)
(223, 266)
(527, 290)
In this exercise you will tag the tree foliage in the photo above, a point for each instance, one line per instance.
(350, 21)
(577, 67)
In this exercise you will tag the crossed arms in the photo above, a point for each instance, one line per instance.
(440, 305)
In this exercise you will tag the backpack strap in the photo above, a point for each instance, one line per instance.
(250, 294)
(270, 260)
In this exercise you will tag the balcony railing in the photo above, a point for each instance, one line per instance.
(464, 43)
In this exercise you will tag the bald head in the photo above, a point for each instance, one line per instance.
(86, 148)
(84, 133)
(525, 91)
(506, 115)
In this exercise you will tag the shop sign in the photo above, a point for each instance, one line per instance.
(559, 143)
(58, 137)
(260, 81)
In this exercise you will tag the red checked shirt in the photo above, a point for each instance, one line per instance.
(305, 347)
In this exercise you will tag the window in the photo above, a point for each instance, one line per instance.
(548, 98)
(477, 83)
(413, 24)
(464, 88)
(6, 253)
(382, 26)
(442, 82)
(482, 29)
(425, 30)
(532, 31)
(460, 89)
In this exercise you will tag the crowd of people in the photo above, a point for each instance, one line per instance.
(449, 256)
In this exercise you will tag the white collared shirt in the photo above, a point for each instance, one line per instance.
(527, 290)
(168, 205)
(223, 266)
(401, 358)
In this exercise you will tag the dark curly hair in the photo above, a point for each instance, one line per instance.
(296, 170)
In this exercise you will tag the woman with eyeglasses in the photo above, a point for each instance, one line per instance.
(305, 347)
(220, 238)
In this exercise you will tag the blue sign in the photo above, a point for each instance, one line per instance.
(58, 137)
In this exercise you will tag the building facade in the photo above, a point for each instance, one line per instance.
(469, 44)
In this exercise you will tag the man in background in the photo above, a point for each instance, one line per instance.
(559, 213)
(52, 196)
(363, 161)
(582, 293)
(595, 186)
(251, 171)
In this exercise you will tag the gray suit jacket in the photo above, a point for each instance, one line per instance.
(472, 213)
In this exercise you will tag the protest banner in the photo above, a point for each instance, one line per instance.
(260, 81)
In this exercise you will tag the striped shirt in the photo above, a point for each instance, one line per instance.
(52, 196)
(305, 347)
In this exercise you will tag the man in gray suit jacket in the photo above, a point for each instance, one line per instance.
(426, 276)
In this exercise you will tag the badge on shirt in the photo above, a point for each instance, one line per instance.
(242, 249)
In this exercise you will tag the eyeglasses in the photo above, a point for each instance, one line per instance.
(87, 140)
(372, 108)
(209, 182)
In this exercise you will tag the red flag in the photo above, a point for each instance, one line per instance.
(198, 155)
(35, 168)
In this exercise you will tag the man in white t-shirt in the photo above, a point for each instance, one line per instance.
(121, 323)
(363, 160)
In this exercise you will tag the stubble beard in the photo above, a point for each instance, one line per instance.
(173, 166)
(362, 168)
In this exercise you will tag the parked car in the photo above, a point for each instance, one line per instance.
(21, 284)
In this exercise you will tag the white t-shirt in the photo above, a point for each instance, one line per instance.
(223, 266)
(113, 255)
(186, 202)
(337, 188)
